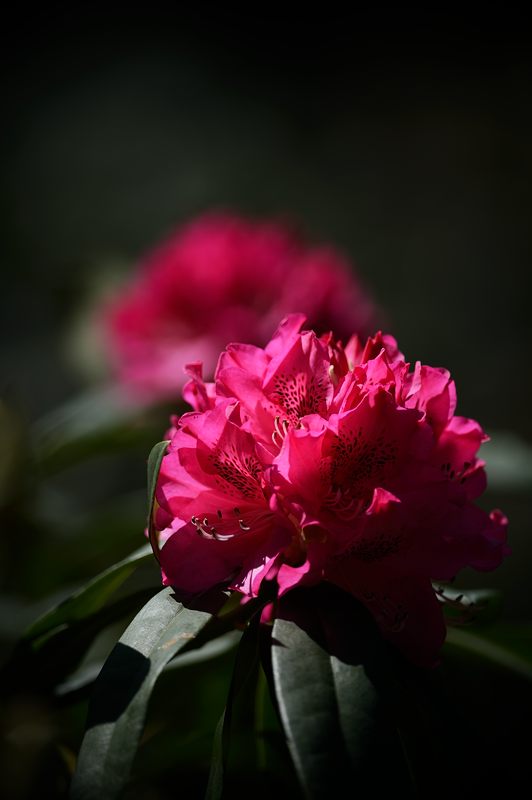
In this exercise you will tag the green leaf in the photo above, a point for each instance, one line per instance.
(506, 645)
(95, 410)
(245, 669)
(214, 648)
(45, 662)
(154, 465)
(77, 684)
(325, 705)
(87, 600)
(118, 706)
(329, 707)
(100, 421)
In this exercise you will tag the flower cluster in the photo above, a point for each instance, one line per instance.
(308, 461)
(221, 279)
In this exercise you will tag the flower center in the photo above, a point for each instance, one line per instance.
(239, 473)
(299, 395)
(359, 464)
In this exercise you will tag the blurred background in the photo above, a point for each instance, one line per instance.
(405, 143)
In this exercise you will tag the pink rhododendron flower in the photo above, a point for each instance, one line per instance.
(221, 279)
(307, 461)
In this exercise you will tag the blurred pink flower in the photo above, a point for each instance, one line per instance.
(221, 279)
(310, 462)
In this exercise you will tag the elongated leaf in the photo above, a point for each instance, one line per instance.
(77, 684)
(100, 421)
(89, 599)
(214, 648)
(45, 662)
(246, 664)
(118, 707)
(84, 415)
(243, 688)
(154, 465)
(326, 707)
(329, 707)
(503, 644)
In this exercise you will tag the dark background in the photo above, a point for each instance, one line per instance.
(404, 141)
(402, 138)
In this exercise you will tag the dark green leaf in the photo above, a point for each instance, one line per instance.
(154, 465)
(117, 710)
(214, 648)
(329, 707)
(326, 708)
(101, 421)
(87, 600)
(85, 414)
(245, 669)
(43, 663)
(78, 683)
(507, 645)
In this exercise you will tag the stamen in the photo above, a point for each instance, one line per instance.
(280, 430)
(344, 504)
(201, 526)
(229, 529)
(223, 538)
(276, 436)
